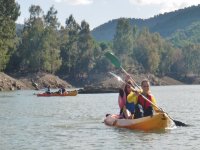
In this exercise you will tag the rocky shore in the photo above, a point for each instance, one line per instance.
(105, 83)
(30, 81)
(101, 83)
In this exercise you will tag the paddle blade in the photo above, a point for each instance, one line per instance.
(114, 60)
(179, 123)
(117, 77)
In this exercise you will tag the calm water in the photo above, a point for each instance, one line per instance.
(31, 122)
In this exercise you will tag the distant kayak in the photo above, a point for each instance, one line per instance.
(158, 121)
(68, 93)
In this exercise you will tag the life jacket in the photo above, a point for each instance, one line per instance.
(145, 104)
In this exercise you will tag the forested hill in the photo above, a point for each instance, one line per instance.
(166, 24)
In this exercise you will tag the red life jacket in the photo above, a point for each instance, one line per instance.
(145, 104)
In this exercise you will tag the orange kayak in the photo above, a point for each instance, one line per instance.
(68, 93)
(158, 121)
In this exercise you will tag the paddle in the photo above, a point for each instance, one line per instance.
(177, 123)
(115, 61)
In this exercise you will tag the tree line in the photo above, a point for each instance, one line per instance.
(155, 54)
(45, 45)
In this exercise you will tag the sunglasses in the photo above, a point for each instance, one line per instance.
(145, 86)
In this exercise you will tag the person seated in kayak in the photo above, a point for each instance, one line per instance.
(59, 91)
(131, 99)
(127, 100)
(121, 101)
(63, 90)
(148, 108)
(133, 106)
(48, 90)
(123, 92)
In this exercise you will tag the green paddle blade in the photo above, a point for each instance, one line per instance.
(114, 60)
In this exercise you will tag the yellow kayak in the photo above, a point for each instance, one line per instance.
(158, 121)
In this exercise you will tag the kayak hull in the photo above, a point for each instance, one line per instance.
(69, 93)
(158, 121)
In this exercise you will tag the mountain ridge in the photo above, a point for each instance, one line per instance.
(165, 24)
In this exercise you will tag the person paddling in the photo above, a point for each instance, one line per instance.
(61, 90)
(48, 90)
(148, 109)
(127, 100)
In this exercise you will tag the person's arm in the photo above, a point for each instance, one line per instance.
(127, 113)
(120, 102)
(133, 97)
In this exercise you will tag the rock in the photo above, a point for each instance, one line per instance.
(93, 90)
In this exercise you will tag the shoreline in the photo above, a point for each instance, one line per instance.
(101, 83)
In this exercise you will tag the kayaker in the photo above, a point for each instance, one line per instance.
(130, 103)
(122, 102)
(127, 100)
(147, 106)
(48, 90)
(122, 99)
(63, 90)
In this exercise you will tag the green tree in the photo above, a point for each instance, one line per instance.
(168, 56)
(178, 66)
(30, 48)
(64, 39)
(69, 51)
(122, 42)
(85, 62)
(9, 12)
(50, 46)
(147, 50)
(191, 54)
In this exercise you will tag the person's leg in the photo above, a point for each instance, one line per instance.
(148, 111)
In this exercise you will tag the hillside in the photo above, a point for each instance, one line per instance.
(166, 24)
(190, 34)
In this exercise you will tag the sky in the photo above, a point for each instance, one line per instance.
(97, 12)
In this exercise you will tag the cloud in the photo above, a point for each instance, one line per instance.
(166, 5)
(146, 2)
(75, 2)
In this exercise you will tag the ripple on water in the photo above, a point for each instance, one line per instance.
(29, 122)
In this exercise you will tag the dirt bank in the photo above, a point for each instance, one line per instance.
(104, 82)
(10, 83)
(30, 81)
